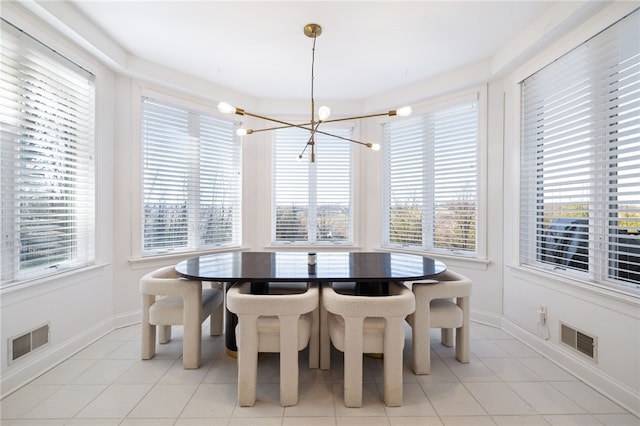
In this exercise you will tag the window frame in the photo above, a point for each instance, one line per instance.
(65, 55)
(479, 94)
(532, 253)
(312, 180)
(190, 103)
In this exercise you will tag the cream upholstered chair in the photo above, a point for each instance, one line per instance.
(284, 323)
(168, 299)
(369, 324)
(435, 308)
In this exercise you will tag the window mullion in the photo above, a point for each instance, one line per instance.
(599, 211)
(193, 182)
(313, 201)
(428, 187)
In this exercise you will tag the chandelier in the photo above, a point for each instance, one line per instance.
(313, 31)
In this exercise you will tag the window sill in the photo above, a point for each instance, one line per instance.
(567, 284)
(13, 293)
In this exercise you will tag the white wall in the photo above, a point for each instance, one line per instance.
(503, 294)
(78, 306)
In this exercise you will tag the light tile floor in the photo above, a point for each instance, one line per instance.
(506, 383)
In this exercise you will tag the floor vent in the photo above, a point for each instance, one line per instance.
(578, 341)
(28, 342)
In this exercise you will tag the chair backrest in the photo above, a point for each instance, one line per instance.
(399, 303)
(446, 285)
(241, 301)
(166, 281)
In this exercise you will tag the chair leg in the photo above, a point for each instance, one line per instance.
(325, 339)
(314, 340)
(421, 351)
(192, 343)
(247, 340)
(164, 334)
(289, 372)
(353, 362)
(216, 320)
(148, 349)
(462, 333)
(446, 337)
(393, 348)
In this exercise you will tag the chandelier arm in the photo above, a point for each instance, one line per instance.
(302, 125)
(285, 123)
(333, 120)
(367, 144)
(304, 150)
(311, 141)
(357, 117)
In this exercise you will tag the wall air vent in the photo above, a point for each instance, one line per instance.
(578, 341)
(28, 342)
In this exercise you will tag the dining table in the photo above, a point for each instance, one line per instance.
(356, 272)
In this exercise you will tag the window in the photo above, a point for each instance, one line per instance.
(191, 180)
(312, 202)
(580, 182)
(430, 180)
(48, 182)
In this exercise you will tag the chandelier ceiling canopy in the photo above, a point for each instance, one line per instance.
(312, 31)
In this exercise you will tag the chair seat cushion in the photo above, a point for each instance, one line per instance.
(373, 329)
(269, 332)
(445, 314)
(168, 310)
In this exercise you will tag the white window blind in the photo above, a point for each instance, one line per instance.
(191, 180)
(430, 171)
(48, 182)
(312, 202)
(580, 179)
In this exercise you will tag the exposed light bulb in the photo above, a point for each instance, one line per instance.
(324, 112)
(226, 108)
(241, 132)
(404, 111)
(375, 146)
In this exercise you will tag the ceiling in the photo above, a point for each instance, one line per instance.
(259, 48)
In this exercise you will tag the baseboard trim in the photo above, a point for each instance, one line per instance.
(626, 397)
(486, 318)
(44, 360)
(126, 319)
